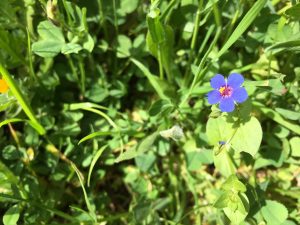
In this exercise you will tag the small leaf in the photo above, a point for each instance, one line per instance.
(195, 159)
(47, 49)
(70, 48)
(288, 114)
(135, 151)
(145, 161)
(224, 163)
(294, 11)
(10, 152)
(48, 31)
(237, 214)
(147, 143)
(159, 85)
(127, 6)
(161, 106)
(12, 215)
(274, 212)
(233, 183)
(52, 40)
(124, 46)
(222, 201)
(295, 146)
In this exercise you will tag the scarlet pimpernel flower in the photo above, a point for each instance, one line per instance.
(227, 92)
(3, 86)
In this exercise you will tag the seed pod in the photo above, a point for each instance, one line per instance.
(175, 133)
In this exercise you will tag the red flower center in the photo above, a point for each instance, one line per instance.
(225, 91)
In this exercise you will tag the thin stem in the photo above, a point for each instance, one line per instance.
(165, 16)
(102, 19)
(115, 18)
(82, 75)
(196, 25)
(161, 70)
(193, 42)
(73, 69)
(31, 70)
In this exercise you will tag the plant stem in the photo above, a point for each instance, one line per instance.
(161, 70)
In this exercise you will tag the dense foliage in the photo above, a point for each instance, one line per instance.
(105, 117)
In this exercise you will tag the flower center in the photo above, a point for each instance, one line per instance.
(225, 91)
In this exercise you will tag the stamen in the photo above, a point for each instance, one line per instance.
(225, 91)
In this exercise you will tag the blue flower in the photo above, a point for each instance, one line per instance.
(227, 91)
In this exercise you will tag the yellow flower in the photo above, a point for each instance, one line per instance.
(3, 86)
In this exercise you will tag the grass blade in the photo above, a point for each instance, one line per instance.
(96, 134)
(21, 99)
(154, 81)
(93, 163)
(88, 204)
(277, 117)
(243, 25)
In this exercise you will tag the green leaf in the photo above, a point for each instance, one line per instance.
(224, 162)
(145, 161)
(47, 30)
(162, 51)
(274, 212)
(11, 45)
(195, 159)
(237, 214)
(288, 114)
(277, 118)
(272, 85)
(158, 85)
(292, 45)
(243, 25)
(233, 183)
(294, 11)
(52, 40)
(127, 6)
(88, 43)
(12, 120)
(222, 201)
(47, 49)
(295, 146)
(10, 152)
(248, 137)
(155, 27)
(218, 129)
(143, 147)
(161, 106)
(70, 48)
(123, 46)
(12, 215)
(147, 143)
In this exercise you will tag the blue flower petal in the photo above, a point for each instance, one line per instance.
(217, 81)
(235, 80)
(240, 95)
(214, 97)
(227, 105)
